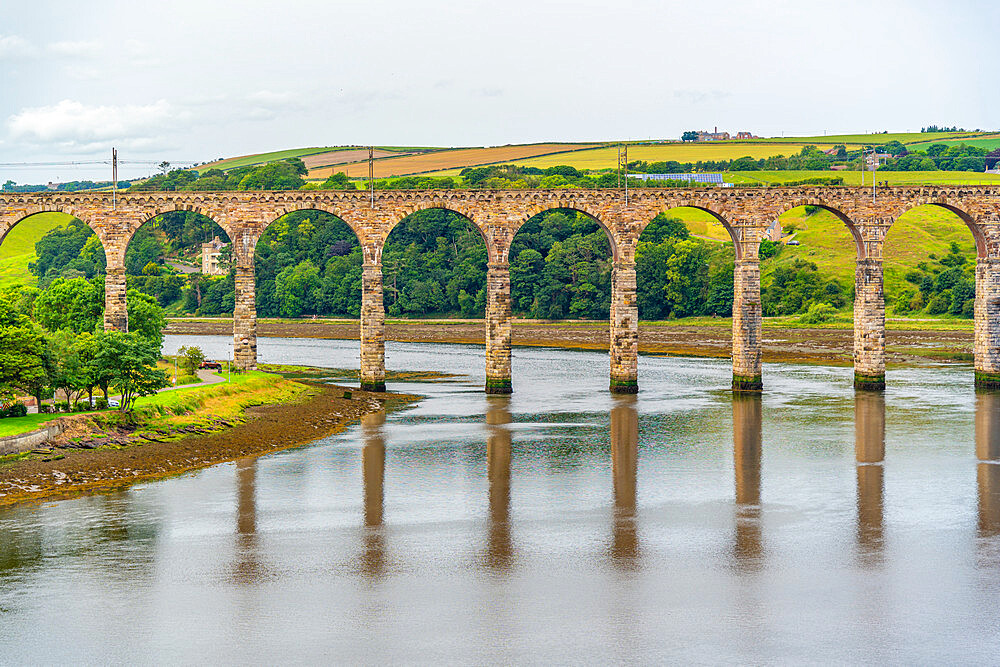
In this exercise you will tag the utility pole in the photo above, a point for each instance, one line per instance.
(371, 174)
(114, 179)
(619, 166)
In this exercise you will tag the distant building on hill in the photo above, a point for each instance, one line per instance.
(746, 135)
(210, 257)
(715, 135)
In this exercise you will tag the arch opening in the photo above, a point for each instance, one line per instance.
(560, 266)
(308, 262)
(807, 263)
(684, 260)
(930, 262)
(434, 262)
(44, 246)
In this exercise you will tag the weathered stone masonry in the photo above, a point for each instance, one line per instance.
(745, 212)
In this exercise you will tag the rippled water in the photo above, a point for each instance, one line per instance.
(559, 525)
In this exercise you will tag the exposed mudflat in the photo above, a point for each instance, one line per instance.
(822, 346)
(68, 470)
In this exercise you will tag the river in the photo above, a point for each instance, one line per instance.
(559, 525)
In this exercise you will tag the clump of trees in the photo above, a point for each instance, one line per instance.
(52, 344)
(945, 285)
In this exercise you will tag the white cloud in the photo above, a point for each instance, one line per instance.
(80, 49)
(12, 46)
(72, 125)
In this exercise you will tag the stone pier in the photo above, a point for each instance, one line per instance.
(498, 329)
(372, 329)
(115, 305)
(986, 347)
(624, 334)
(869, 326)
(747, 325)
(245, 321)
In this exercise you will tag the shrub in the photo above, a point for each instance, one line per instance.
(14, 410)
(818, 312)
(940, 303)
(969, 308)
(101, 404)
(81, 406)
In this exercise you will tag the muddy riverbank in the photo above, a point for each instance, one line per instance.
(781, 344)
(64, 469)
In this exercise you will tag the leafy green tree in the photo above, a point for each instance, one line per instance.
(689, 135)
(131, 362)
(70, 372)
(25, 361)
(145, 317)
(74, 304)
(190, 358)
(273, 176)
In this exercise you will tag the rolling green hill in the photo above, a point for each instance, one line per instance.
(18, 248)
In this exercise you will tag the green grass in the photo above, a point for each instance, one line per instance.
(988, 142)
(263, 158)
(902, 137)
(18, 247)
(854, 177)
(26, 424)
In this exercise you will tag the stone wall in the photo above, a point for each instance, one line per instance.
(25, 442)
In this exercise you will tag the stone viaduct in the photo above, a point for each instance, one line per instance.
(745, 213)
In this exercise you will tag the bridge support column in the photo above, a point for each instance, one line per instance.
(372, 329)
(245, 321)
(115, 304)
(498, 329)
(624, 347)
(986, 349)
(746, 326)
(869, 326)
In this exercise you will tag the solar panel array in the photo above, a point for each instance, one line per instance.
(697, 178)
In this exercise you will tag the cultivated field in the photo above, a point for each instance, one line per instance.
(854, 177)
(448, 159)
(263, 158)
(902, 137)
(989, 142)
(344, 156)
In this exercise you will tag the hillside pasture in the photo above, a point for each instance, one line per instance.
(854, 177)
(345, 156)
(263, 158)
(448, 159)
(607, 157)
(18, 248)
(989, 142)
(858, 139)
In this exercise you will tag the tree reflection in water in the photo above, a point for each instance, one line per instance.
(624, 465)
(747, 438)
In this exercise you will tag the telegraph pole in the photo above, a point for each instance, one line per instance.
(371, 174)
(114, 179)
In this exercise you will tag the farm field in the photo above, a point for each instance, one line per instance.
(448, 159)
(262, 158)
(18, 248)
(346, 155)
(902, 137)
(854, 177)
(988, 142)
(607, 158)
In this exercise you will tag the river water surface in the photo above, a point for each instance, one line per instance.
(559, 525)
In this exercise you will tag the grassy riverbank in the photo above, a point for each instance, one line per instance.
(182, 430)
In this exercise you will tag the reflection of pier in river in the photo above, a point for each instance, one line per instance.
(624, 550)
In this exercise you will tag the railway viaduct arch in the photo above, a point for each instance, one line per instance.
(745, 212)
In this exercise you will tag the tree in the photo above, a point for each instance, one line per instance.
(690, 135)
(69, 372)
(24, 356)
(74, 304)
(190, 359)
(131, 363)
(145, 317)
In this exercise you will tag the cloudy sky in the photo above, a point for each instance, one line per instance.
(193, 81)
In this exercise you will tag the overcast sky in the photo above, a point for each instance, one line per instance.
(193, 81)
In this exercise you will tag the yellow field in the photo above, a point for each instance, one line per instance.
(453, 159)
(607, 158)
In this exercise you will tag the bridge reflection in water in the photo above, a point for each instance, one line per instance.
(624, 468)
(624, 550)
(988, 467)
(869, 454)
(373, 555)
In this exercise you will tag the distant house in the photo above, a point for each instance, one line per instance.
(713, 136)
(210, 257)
(746, 135)
(875, 159)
